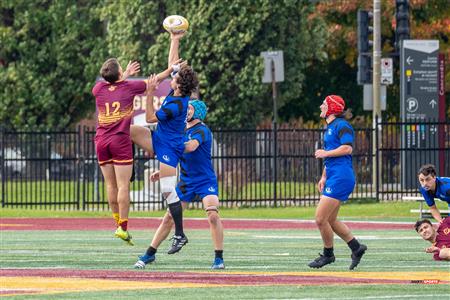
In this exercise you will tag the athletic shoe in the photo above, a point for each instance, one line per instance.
(321, 261)
(124, 235)
(177, 243)
(357, 255)
(144, 260)
(218, 264)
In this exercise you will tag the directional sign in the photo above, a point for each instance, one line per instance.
(419, 102)
(419, 79)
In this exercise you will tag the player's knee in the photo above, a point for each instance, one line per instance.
(168, 189)
(112, 187)
(321, 221)
(213, 215)
(168, 220)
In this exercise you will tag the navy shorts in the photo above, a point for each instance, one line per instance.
(169, 155)
(196, 191)
(339, 186)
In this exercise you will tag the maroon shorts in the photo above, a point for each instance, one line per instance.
(115, 149)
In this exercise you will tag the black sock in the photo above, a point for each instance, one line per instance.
(176, 210)
(151, 251)
(353, 244)
(328, 252)
(133, 175)
(219, 253)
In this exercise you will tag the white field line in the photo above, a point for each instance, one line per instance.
(431, 296)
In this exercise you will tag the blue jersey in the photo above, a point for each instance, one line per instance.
(171, 121)
(442, 191)
(196, 166)
(339, 132)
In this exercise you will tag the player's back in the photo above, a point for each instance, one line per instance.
(171, 120)
(197, 166)
(114, 104)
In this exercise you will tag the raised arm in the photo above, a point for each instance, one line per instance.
(174, 46)
(132, 69)
(150, 115)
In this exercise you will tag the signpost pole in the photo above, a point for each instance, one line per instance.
(376, 113)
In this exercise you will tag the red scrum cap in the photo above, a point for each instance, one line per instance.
(335, 104)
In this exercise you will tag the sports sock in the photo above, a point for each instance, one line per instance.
(176, 210)
(329, 252)
(353, 244)
(218, 253)
(116, 218)
(124, 224)
(151, 251)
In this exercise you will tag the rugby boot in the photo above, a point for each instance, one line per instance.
(177, 243)
(357, 255)
(321, 261)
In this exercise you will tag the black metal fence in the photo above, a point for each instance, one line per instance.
(60, 170)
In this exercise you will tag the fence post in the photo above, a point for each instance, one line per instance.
(78, 174)
(275, 158)
(377, 158)
(2, 165)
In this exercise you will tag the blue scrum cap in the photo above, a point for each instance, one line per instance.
(200, 109)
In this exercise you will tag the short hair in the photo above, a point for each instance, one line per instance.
(110, 70)
(420, 222)
(427, 169)
(187, 81)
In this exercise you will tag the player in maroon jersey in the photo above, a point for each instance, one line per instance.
(114, 101)
(440, 238)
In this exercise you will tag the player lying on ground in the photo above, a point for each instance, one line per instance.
(197, 182)
(440, 238)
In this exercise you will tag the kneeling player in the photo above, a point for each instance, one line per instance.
(197, 181)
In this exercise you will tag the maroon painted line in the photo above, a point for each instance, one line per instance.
(153, 223)
(16, 292)
(192, 277)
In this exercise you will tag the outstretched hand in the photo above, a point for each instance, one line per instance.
(177, 35)
(133, 68)
(152, 82)
(179, 64)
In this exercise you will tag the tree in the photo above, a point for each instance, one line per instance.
(429, 20)
(48, 60)
(223, 46)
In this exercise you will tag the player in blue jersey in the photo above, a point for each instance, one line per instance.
(337, 182)
(433, 187)
(197, 182)
(166, 142)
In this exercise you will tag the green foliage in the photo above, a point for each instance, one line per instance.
(49, 52)
(223, 45)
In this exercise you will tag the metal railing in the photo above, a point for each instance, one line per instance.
(59, 169)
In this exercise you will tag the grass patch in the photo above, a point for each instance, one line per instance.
(369, 211)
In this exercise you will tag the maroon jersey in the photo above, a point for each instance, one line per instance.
(442, 237)
(115, 105)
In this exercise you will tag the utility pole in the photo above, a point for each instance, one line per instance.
(376, 113)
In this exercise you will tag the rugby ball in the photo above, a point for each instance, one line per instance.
(175, 24)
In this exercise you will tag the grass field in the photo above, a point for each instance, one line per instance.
(395, 255)
(388, 211)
